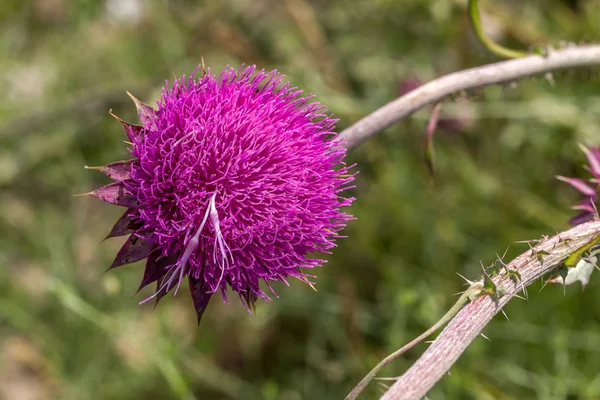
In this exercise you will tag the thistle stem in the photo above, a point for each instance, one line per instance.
(534, 263)
(464, 298)
(478, 77)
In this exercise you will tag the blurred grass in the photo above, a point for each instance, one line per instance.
(69, 331)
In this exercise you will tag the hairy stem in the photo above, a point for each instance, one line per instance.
(437, 360)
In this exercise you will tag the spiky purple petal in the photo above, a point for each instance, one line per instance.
(579, 184)
(589, 188)
(593, 156)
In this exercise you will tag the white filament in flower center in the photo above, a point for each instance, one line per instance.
(179, 269)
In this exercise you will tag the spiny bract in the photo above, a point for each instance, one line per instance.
(588, 188)
(234, 179)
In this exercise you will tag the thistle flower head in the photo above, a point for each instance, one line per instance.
(234, 180)
(587, 187)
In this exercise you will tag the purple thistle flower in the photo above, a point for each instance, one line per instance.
(588, 188)
(235, 180)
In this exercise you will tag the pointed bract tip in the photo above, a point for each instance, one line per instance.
(132, 130)
(145, 112)
(118, 171)
(124, 225)
(119, 120)
(203, 66)
(133, 98)
(115, 193)
(134, 249)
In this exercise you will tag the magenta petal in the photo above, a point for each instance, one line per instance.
(579, 184)
(584, 207)
(115, 193)
(593, 157)
(588, 204)
(124, 225)
(199, 288)
(581, 218)
(134, 249)
(145, 112)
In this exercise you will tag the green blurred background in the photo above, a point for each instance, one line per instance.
(68, 331)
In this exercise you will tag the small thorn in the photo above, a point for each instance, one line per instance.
(593, 262)
(519, 296)
(524, 290)
(506, 316)
(499, 258)
(523, 241)
(485, 337)
(468, 282)
(543, 284)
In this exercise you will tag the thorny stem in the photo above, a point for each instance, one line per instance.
(419, 377)
(464, 298)
(534, 263)
(478, 77)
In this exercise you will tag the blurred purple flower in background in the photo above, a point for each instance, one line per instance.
(588, 188)
(235, 180)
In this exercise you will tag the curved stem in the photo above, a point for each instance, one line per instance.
(434, 91)
(490, 45)
(462, 300)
